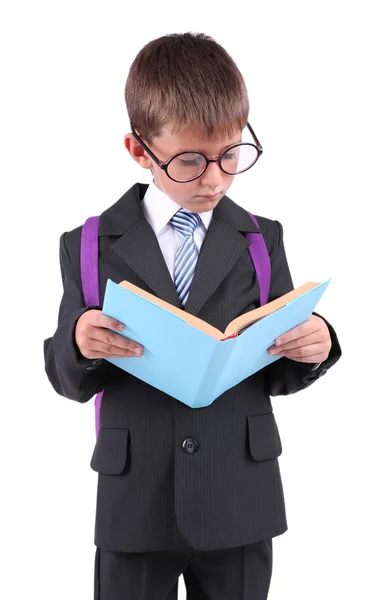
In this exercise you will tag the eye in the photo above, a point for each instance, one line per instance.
(189, 163)
(190, 160)
(229, 156)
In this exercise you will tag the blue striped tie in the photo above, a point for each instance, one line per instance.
(187, 253)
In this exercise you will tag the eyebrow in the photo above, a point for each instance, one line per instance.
(178, 150)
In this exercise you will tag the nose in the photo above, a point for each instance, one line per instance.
(213, 176)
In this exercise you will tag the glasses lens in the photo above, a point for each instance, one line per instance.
(186, 166)
(239, 158)
(190, 165)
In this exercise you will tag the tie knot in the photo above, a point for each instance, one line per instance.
(185, 222)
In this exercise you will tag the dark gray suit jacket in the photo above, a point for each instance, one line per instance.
(223, 488)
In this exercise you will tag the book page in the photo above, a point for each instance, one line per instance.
(182, 314)
(249, 318)
(235, 326)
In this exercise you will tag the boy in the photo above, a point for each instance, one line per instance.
(181, 490)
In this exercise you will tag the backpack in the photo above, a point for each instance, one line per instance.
(89, 252)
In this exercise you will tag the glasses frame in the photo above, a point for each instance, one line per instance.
(163, 164)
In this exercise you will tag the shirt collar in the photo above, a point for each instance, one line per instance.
(159, 208)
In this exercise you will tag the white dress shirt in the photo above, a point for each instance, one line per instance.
(158, 209)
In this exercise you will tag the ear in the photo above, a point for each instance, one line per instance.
(137, 151)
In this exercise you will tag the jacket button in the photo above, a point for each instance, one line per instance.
(190, 445)
(323, 372)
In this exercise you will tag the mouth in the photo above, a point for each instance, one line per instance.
(213, 197)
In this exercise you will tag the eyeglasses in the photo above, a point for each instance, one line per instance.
(187, 166)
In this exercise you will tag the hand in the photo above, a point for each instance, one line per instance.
(308, 342)
(94, 340)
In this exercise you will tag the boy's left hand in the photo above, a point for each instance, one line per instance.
(308, 342)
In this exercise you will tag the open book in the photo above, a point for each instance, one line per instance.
(189, 359)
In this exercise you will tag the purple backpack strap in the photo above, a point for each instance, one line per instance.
(89, 265)
(261, 261)
(89, 255)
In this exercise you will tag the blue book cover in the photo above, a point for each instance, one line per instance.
(189, 359)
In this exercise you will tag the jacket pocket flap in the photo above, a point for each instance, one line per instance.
(263, 435)
(110, 452)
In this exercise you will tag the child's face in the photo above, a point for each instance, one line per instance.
(214, 182)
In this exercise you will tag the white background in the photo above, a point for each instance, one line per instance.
(314, 73)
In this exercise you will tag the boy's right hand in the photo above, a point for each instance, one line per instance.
(95, 340)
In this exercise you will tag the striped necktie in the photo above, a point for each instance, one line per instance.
(187, 253)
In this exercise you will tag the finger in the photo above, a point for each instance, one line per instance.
(102, 320)
(313, 358)
(304, 352)
(109, 338)
(110, 347)
(305, 340)
(309, 326)
(112, 352)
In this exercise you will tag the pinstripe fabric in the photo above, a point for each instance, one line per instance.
(151, 495)
(241, 573)
(187, 254)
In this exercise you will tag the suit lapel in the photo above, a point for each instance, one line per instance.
(221, 249)
(139, 248)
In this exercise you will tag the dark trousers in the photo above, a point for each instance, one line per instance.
(241, 573)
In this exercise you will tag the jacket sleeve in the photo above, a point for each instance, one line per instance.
(71, 374)
(286, 376)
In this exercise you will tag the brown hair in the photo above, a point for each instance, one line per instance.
(186, 79)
